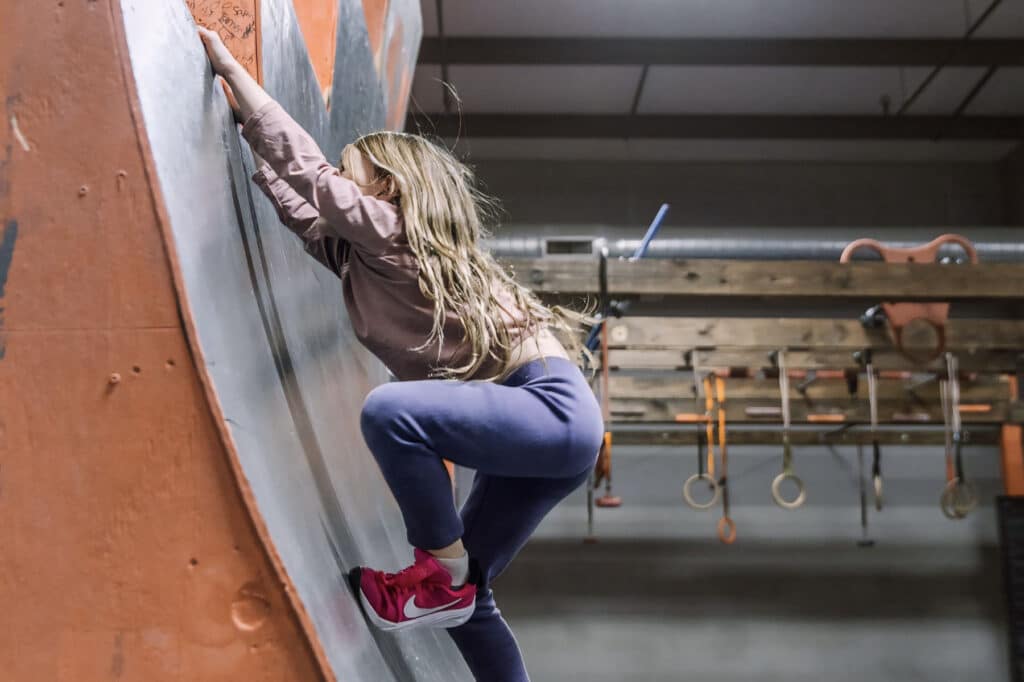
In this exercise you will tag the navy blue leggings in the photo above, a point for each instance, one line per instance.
(532, 440)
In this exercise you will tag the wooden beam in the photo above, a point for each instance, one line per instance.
(678, 385)
(755, 436)
(799, 333)
(770, 279)
(997, 361)
(719, 126)
(738, 411)
(722, 51)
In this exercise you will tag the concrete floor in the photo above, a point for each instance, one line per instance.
(795, 599)
(656, 611)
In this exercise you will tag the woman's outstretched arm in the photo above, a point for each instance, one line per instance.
(296, 159)
(248, 93)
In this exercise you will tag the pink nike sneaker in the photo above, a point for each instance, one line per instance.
(419, 596)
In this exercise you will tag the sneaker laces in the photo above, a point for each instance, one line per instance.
(407, 577)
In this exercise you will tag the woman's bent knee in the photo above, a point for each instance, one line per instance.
(379, 412)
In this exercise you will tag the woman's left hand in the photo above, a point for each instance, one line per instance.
(220, 57)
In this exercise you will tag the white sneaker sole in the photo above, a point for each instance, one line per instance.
(442, 619)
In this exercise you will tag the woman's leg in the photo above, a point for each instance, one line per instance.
(499, 516)
(547, 428)
(532, 441)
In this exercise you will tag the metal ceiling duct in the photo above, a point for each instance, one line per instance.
(742, 248)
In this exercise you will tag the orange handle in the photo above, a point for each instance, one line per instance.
(925, 253)
(826, 418)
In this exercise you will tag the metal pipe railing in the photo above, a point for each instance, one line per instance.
(747, 248)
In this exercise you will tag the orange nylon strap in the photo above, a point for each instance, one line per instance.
(1013, 449)
(1013, 459)
(726, 526)
(709, 405)
(720, 397)
(605, 468)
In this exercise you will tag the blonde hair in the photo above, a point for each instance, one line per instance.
(445, 217)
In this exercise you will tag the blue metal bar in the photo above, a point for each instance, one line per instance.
(641, 250)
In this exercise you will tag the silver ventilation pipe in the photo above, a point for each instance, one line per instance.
(742, 248)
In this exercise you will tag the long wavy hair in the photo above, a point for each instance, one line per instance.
(446, 216)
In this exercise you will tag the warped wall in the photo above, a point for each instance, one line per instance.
(182, 478)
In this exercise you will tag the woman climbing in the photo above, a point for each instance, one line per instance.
(483, 380)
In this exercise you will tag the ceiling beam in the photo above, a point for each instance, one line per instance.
(727, 51)
(727, 126)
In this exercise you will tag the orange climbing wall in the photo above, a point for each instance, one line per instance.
(397, 77)
(237, 22)
(127, 549)
(376, 12)
(319, 22)
(392, 56)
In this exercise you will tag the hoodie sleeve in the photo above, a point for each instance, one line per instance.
(344, 212)
(297, 215)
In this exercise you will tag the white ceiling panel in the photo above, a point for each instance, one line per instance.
(709, 18)
(548, 89)
(946, 91)
(1003, 95)
(775, 90)
(854, 151)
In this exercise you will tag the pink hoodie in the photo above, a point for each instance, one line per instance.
(362, 240)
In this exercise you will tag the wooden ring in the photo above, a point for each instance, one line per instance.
(726, 530)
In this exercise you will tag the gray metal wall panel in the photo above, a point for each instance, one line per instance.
(357, 102)
(283, 359)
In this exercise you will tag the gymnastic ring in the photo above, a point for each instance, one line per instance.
(962, 496)
(949, 510)
(726, 530)
(958, 499)
(777, 491)
(688, 496)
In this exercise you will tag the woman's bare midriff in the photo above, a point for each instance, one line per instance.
(542, 344)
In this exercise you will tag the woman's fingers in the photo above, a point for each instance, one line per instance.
(209, 38)
(220, 57)
(222, 60)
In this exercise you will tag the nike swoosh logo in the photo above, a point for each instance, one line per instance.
(413, 611)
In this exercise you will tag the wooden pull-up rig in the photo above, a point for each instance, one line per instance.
(655, 363)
